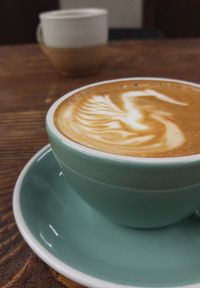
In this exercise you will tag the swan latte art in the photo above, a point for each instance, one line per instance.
(144, 118)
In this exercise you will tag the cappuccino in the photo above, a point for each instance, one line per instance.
(142, 118)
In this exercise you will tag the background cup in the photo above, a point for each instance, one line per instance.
(138, 192)
(74, 39)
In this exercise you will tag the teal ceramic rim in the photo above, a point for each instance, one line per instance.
(47, 257)
(96, 153)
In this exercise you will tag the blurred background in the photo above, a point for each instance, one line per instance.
(128, 19)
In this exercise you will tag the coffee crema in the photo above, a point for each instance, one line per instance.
(143, 118)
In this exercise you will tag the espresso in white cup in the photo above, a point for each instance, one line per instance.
(74, 39)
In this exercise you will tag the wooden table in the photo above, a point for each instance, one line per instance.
(28, 86)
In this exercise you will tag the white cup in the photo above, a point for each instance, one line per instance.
(73, 28)
(74, 40)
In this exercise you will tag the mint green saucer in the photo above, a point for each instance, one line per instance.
(86, 247)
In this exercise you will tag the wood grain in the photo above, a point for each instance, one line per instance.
(28, 86)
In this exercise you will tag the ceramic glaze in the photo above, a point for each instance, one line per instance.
(82, 245)
(133, 191)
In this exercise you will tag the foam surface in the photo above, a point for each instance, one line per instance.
(131, 118)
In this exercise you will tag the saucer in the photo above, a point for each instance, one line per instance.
(83, 245)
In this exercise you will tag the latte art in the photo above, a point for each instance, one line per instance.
(128, 121)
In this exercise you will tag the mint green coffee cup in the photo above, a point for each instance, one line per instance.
(132, 191)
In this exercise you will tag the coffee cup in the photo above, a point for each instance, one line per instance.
(142, 191)
(74, 40)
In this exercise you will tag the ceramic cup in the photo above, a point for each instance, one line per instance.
(74, 39)
(133, 191)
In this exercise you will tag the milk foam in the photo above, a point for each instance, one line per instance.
(136, 127)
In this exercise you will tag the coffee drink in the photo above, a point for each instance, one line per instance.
(143, 118)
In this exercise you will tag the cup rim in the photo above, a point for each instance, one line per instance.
(111, 156)
(75, 13)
